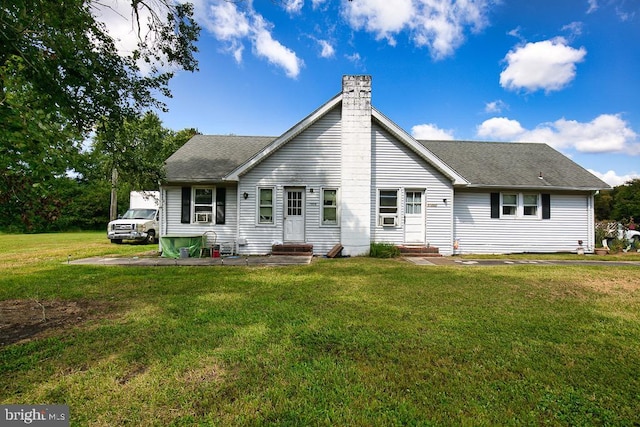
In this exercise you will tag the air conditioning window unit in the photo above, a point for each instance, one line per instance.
(388, 220)
(203, 217)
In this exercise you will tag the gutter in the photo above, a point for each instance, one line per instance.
(529, 187)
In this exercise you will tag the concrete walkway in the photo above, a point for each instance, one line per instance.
(275, 260)
(270, 260)
(455, 261)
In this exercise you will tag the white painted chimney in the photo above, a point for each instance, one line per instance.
(356, 165)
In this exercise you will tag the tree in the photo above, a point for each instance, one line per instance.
(626, 203)
(603, 204)
(135, 153)
(61, 77)
(62, 51)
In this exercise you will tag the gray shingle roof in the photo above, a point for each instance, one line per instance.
(508, 164)
(209, 158)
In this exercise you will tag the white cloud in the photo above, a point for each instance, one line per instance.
(574, 29)
(515, 33)
(624, 15)
(436, 24)
(293, 6)
(613, 179)
(495, 106)
(500, 128)
(383, 17)
(229, 24)
(328, 51)
(274, 51)
(605, 133)
(593, 6)
(317, 3)
(548, 65)
(355, 59)
(226, 22)
(431, 132)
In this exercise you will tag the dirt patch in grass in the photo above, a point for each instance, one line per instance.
(28, 319)
(612, 286)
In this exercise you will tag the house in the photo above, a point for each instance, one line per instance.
(348, 174)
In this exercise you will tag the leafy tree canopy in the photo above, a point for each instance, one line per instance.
(62, 77)
(627, 201)
(620, 204)
(58, 49)
(138, 150)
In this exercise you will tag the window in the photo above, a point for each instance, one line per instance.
(520, 205)
(413, 203)
(530, 204)
(265, 206)
(388, 207)
(203, 204)
(294, 203)
(509, 204)
(329, 206)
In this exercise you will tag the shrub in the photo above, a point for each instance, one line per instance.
(384, 250)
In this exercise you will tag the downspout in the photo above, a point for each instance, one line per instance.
(235, 241)
(591, 237)
(163, 215)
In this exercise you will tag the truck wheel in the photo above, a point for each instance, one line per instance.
(151, 237)
(116, 241)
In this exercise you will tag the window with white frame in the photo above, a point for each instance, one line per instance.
(530, 205)
(520, 205)
(329, 206)
(388, 208)
(203, 204)
(509, 205)
(265, 205)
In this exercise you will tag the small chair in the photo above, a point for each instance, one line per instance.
(209, 239)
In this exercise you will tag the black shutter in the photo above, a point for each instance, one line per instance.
(185, 217)
(546, 206)
(221, 197)
(495, 205)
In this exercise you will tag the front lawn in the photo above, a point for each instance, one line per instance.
(355, 341)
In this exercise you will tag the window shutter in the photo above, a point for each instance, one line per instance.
(185, 217)
(221, 198)
(546, 206)
(495, 205)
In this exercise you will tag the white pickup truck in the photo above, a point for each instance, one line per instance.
(632, 237)
(140, 221)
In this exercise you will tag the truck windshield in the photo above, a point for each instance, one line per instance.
(139, 214)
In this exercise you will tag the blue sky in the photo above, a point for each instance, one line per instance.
(565, 73)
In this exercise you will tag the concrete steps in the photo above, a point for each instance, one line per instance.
(303, 249)
(419, 251)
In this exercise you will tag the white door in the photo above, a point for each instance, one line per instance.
(294, 215)
(414, 217)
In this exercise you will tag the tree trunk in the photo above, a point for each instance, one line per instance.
(113, 211)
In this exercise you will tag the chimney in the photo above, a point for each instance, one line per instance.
(356, 165)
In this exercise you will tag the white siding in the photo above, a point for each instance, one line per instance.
(571, 220)
(394, 165)
(311, 161)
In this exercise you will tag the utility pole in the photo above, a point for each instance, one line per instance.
(113, 210)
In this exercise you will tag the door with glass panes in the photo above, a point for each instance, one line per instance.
(294, 215)
(414, 219)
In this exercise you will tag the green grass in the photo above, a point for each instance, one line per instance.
(357, 341)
